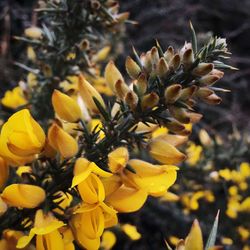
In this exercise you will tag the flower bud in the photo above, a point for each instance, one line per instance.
(131, 99)
(132, 68)
(149, 101)
(179, 114)
(3, 207)
(169, 53)
(164, 152)
(147, 62)
(188, 58)
(187, 93)
(88, 92)
(33, 32)
(4, 172)
(61, 141)
(172, 93)
(23, 195)
(203, 69)
(66, 107)
(154, 57)
(112, 75)
(212, 99)
(162, 67)
(194, 117)
(175, 62)
(117, 159)
(204, 92)
(121, 89)
(175, 126)
(142, 84)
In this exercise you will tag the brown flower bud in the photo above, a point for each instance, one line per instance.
(208, 80)
(175, 62)
(194, 117)
(149, 101)
(132, 68)
(203, 69)
(188, 58)
(179, 114)
(141, 84)
(169, 53)
(204, 92)
(212, 99)
(162, 67)
(172, 93)
(131, 99)
(187, 93)
(121, 89)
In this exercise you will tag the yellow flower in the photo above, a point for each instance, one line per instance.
(62, 141)
(193, 154)
(46, 230)
(89, 222)
(117, 159)
(88, 92)
(225, 174)
(65, 107)
(96, 125)
(164, 152)
(245, 169)
(14, 98)
(245, 205)
(108, 240)
(23, 195)
(244, 233)
(83, 168)
(21, 138)
(126, 199)
(4, 172)
(154, 179)
(63, 200)
(91, 189)
(131, 231)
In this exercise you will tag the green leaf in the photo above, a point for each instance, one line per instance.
(194, 38)
(104, 113)
(213, 233)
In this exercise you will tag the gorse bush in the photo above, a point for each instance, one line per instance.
(81, 143)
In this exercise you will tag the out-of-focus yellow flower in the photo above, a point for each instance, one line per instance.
(4, 172)
(62, 141)
(83, 168)
(245, 205)
(117, 159)
(126, 199)
(194, 153)
(33, 32)
(46, 230)
(164, 152)
(14, 98)
(31, 54)
(21, 138)
(102, 54)
(66, 107)
(205, 138)
(244, 233)
(226, 241)
(23, 195)
(88, 92)
(31, 79)
(226, 174)
(108, 240)
(233, 207)
(173, 240)
(131, 231)
(245, 169)
(154, 179)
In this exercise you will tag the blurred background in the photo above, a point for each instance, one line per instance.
(228, 125)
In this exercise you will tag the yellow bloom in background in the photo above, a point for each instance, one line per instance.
(21, 138)
(4, 172)
(131, 231)
(108, 240)
(194, 153)
(83, 168)
(33, 32)
(61, 141)
(23, 195)
(66, 107)
(14, 98)
(244, 233)
(31, 80)
(96, 125)
(154, 179)
(164, 152)
(117, 159)
(46, 230)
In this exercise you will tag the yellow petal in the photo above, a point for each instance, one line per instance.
(23, 195)
(127, 199)
(91, 190)
(112, 75)
(62, 141)
(33, 32)
(88, 92)
(165, 153)
(108, 240)
(4, 172)
(66, 107)
(111, 184)
(118, 159)
(194, 239)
